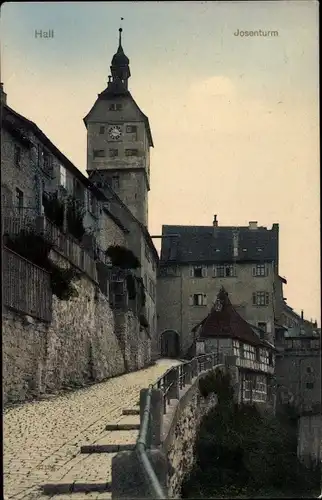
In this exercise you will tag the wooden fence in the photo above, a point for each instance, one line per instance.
(63, 243)
(26, 287)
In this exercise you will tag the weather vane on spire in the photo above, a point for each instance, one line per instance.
(120, 31)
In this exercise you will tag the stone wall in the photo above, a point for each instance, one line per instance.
(85, 342)
(178, 444)
(310, 439)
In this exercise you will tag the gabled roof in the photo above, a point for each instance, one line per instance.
(117, 89)
(215, 244)
(223, 321)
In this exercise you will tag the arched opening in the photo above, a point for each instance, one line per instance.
(170, 344)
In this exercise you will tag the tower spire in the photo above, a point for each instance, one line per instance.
(120, 68)
(120, 33)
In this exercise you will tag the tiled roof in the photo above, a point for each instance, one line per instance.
(215, 244)
(226, 322)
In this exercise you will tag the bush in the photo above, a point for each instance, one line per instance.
(54, 209)
(217, 382)
(75, 216)
(122, 257)
(239, 451)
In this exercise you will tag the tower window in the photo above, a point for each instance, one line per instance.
(98, 153)
(131, 152)
(131, 129)
(102, 129)
(115, 182)
(19, 196)
(113, 153)
(115, 107)
(17, 155)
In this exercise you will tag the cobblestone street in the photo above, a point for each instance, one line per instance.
(42, 439)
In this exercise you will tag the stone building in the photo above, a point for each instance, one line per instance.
(196, 261)
(298, 370)
(223, 330)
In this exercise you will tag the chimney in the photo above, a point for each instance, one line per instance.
(3, 95)
(215, 222)
(252, 224)
(302, 315)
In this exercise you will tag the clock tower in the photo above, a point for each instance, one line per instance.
(119, 140)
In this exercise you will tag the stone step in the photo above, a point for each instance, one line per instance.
(130, 411)
(76, 487)
(122, 427)
(106, 448)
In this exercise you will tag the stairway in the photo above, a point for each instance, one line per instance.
(94, 461)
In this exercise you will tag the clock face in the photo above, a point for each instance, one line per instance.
(115, 132)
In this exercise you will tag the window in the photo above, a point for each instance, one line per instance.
(309, 385)
(198, 299)
(99, 153)
(131, 152)
(113, 153)
(264, 356)
(115, 182)
(236, 347)
(17, 155)
(198, 272)
(270, 359)
(102, 129)
(262, 325)
(91, 203)
(249, 352)
(47, 161)
(115, 107)
(259, 270)
(224, 271)
(131, 129)
(62, 176)
(19, 197)
(260, 298)
(309, 370)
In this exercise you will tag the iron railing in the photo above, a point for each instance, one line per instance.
(26, 287)
(170, 384)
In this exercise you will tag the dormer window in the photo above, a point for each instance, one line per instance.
(115, 107)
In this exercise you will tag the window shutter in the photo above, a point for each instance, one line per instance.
(254, 299)
(205, 300)
(204, 272)
(266, 270)
(191, 300)
(266, 298)
(215, 271)
(254, 270)
(191, 271)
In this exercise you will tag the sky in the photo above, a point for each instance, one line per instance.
(234, 118)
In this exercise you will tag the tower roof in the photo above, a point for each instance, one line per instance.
(120, 59)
